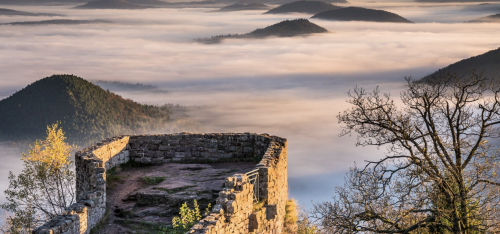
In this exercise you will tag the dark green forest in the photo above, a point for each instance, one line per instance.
(86, 112)
(310, 7)
(361, 14)
(286, 28)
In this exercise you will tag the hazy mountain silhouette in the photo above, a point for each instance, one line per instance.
(123, 86)
(279, 2)
(111, 4)
(244, 7)
(361, 14)
(487, 19)
(194, 4)
(58, 21)
(489, 63)
(455, 1)
(39, 2)
(486, 7)
(4, 11)
(86, 112)
(310, 7)
(148, 2)
(287, 28)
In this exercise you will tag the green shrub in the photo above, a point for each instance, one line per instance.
(187, 219)
(152, 180)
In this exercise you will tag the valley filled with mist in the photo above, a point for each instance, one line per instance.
(292, 87)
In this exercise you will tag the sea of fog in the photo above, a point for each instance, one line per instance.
(290, 87)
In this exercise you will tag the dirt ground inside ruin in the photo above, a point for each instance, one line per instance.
(143, 199)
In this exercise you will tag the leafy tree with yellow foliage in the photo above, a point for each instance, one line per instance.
(45, 187)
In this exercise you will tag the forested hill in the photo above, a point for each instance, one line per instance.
(361, 14)
(111, 4)
(310, 7)
(489, 63)
(487, 19)
(87, 113)
(4, 11)
(287, 28)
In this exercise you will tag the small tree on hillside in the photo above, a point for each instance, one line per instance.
(44, 188)
(440, 171)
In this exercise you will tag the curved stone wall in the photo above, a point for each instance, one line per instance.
(234, 212)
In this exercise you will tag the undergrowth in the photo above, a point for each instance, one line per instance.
(152, 180)
(186, 220)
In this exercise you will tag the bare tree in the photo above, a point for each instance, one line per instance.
(440, 171)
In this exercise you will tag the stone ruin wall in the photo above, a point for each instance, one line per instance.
(234, 211)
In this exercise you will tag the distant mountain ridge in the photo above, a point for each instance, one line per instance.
(86, 112)
(148, 2)
(244, 7)
(361, 14)
(57, 21)
(489, 63)
(4, 11)
(123, 86)
(310, 7)
(111, 4)
(287, 28)
(38, 2)
(486, 7)
(487, 19)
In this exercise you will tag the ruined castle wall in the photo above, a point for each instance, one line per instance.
(210, 147)
(234, 212)
(91, 165)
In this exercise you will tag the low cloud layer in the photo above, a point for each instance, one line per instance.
(291, 87)
(11, 162)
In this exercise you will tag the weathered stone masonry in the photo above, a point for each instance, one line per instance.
(234, 211)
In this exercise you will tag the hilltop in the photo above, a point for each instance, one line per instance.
(245, 7)
(87, 112)
(287, 28)
(111, 4)
(310, 7)
(486, 7)
(57, 21)
(488, 63)
(487, 19)
(361, 14)
(4, 11)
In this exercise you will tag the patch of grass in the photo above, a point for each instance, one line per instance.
(152, 180)
(291, 212)
(112, 177)
(170, 230)
(257, 206)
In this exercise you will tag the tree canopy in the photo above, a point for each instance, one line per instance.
(85, 111)
(440, 174)
(45, 187)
